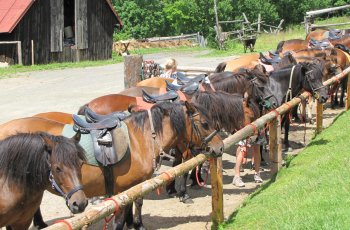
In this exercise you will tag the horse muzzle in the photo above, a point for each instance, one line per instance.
(77, 202)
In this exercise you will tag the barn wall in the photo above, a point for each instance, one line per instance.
(33, 26)
(36, 25)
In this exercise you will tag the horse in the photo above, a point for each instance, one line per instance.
(157, 82)
(251, 60)
(185, 125)
(289, 82)
(334, 36)
(31, 163)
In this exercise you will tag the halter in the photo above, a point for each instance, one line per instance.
(204, 140)
(264, 101)
(57, 188)
(314, 90)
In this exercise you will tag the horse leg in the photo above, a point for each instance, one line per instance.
(126, 216)
(170, 188)
(286, 131)
(344, 83)
(138, 214)
(38, 220)
(183, 195)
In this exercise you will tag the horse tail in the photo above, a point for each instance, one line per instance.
(220, 68)
(81, 110)
(280, 46)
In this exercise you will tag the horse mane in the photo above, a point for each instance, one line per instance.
(229, 82)
(225, 109)
(24, 158)
(220, 68)
(280, 46)
(172, 109)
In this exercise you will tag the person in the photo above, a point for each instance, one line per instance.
(170, 69)
(241, 152)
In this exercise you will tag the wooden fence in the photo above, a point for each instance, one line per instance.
(309, 18)
(118, 202)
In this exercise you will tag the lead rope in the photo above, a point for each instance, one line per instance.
(289, 91)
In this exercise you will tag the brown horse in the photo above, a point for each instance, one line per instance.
(157, 82)
(31, 163)
(342, 37)
(175, 125)
(317, 34)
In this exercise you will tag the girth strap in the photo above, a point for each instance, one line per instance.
(109, 180)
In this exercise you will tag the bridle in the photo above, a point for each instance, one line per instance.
(315, 93)
(57, 188)
(264, 103)
(195, 130)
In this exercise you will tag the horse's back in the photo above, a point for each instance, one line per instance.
(137, 91)
(246, 61)
(157, 82)
(65, 118)
(30, 125)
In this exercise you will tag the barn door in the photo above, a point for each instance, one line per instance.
(57, 24)
(81, 33)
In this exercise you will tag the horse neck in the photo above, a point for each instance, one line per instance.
(142, 141)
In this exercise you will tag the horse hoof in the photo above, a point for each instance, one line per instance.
(171, 193)
(186, 199)
(139, 227)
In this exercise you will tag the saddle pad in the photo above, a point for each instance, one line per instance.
(121, 142)
(85, 142)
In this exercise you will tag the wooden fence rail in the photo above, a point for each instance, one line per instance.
(104, 209)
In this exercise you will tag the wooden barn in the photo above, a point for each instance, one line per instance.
(56, 30)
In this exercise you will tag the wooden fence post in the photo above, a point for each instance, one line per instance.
(217, 191)
(347, 94)
(19, 52)
(275, 144)
(319, 117)
(132, 70)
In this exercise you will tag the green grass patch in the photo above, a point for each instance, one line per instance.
(312, 193)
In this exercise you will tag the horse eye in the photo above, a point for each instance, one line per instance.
(58, 169)
(205, 125)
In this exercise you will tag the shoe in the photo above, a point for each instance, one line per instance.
(257, 178)
(237, 181)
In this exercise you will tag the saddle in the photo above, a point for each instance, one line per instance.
(169, 96)
(269, 60)
(110, 140)
(321, 45)
(342, 47)
(183, 79)
(93, 117)
(335, 34)
(189, 88)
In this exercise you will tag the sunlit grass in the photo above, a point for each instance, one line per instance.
(312, 193)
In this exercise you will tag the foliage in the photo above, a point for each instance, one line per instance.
(150, 18)
(312, 193)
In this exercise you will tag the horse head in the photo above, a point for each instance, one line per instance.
(312, 81)
(65, 158)
(202, 135)
(258, 89)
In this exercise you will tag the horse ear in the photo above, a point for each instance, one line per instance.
(190, 108)
(77, 136)
(49, 144)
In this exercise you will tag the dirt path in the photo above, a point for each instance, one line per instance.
(66, 90)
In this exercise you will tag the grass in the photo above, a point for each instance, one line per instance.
(312, 193)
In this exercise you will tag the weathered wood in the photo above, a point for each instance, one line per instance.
(347, 94)
(275, 145)
(19, 53)
(327, 10)
(259, 23)
(132, 70)
(319, 117)
(32, 48)
(233, 21)
(81, 33)
(57, 25)
(217, 214)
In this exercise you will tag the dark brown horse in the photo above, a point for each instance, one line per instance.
(175, 125)
(31, 163)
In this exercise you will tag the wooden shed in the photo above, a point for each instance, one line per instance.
(57, 30)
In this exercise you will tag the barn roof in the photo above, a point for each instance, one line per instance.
(12, 11)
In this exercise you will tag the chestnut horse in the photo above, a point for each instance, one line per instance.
(31, 163)
(175, 124)
(157, 82)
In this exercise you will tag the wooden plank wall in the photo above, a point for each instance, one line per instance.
(35, 25)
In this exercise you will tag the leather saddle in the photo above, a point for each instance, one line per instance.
(269, 60)
(183, 79)
(334, 34)
(189, 88)
(169, 96)
(93, 117)
(342, 47)
(322, 44)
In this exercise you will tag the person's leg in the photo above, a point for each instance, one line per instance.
(237, 180)
(257, 160)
